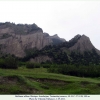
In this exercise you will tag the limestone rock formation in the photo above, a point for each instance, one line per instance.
(15, 39)
(82, 44)
(40, 59)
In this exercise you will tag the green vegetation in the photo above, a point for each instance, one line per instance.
(25, 29)
(74, 63)
(39, 81)
(32, 65)
(9, 63)
(76, 70)
(60, 55)
(51, 77)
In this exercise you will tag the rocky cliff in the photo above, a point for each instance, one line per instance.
(81, 44)
(15, 39)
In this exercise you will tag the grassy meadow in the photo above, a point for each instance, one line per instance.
(39, 81)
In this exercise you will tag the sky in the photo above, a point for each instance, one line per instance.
(65, 18)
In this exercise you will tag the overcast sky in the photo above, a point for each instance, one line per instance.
(65, 18)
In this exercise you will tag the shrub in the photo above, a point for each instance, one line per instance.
(2, 63)
(21, 63)
(30, 65)
(37, 65)
(11, 63)
(8, 63)
(53, 68)
(81, 71)
(46, 65)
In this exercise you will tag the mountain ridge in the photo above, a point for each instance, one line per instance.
(83, 44)
(15, 39)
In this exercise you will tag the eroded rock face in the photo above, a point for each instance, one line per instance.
(83, 44)
(40, 59)
(15, 39)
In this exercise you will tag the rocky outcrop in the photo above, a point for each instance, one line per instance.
(83, 44)
(56, 39)
(40, 59)
(15, 39)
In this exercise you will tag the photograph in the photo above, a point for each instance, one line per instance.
(50, 48)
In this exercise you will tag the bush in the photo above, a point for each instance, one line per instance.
(11, 63)
(51, 70)
(81, 71)
(46, 65)
(54, 68)
(2, 63)
(30, 65)
(21, 63)
(8, 63)
(37, 65)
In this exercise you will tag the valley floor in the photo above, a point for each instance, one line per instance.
(39, 81)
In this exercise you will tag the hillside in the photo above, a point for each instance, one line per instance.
(33, 62)
(39, 81)
(30, 43)
(79, 50)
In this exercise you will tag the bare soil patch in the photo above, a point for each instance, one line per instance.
(51, 81)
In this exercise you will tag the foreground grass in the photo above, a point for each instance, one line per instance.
(39, 81)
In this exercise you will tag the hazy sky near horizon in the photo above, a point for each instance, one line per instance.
(65, 18)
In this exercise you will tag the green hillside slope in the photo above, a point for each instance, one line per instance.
(39, 81)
